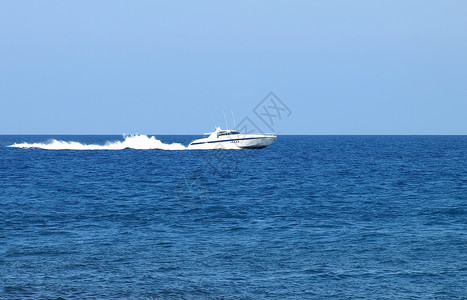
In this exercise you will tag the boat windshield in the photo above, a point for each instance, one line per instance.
(228, 133)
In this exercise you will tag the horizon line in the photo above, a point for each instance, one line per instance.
(180, 134)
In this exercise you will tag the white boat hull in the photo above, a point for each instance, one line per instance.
(234, 142)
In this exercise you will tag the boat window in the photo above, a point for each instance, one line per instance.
(227, 133)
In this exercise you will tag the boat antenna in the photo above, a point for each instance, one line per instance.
(225, 119)
(235, 125)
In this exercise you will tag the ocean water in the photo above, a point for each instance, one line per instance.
(309, 217)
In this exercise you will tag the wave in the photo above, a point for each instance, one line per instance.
(140, 142)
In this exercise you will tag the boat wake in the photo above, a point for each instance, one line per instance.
(140, 142)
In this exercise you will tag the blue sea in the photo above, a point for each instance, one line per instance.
(309, 217)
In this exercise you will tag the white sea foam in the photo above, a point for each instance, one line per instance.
(132, 142)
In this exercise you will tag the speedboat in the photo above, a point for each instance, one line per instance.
(232, 139)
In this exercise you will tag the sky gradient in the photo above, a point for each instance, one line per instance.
(173, 67)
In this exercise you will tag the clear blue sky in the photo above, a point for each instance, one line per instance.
(172, 67)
